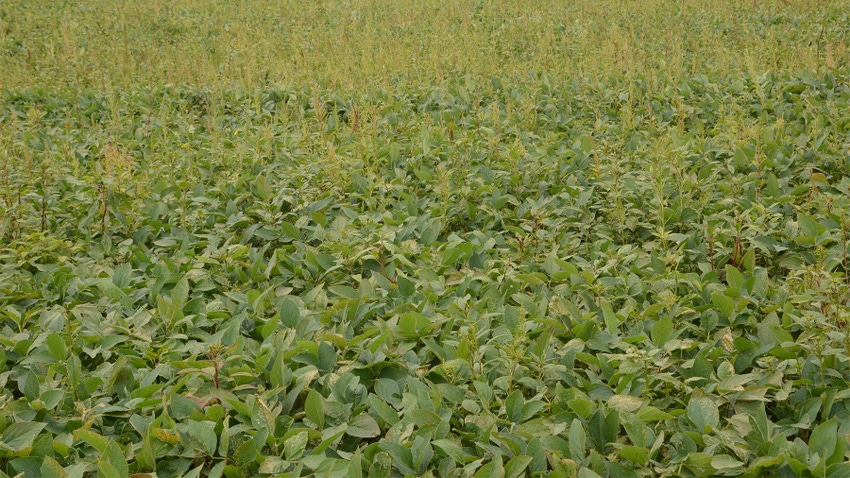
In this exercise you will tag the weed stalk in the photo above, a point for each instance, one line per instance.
(103, 209)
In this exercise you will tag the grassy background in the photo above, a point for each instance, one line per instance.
(362, 43)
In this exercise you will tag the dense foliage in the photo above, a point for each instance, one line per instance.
(501, 279)
(424, 238)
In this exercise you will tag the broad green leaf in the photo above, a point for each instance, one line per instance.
(577, 441)
(294, 446)
(661, 331)
(742, 161)
(20, 436)
(179, 296)
(270, 327)
(327, 357)
(838, 470)
(56, 346)
(111, 291)
(451, 449)
(224, 438)
(273, 465)
(649, 414)
(808, 225)
(724, 303)
(289, 314)
(51, 468)
(824, 438)
(97, 441)
(147, 454)
(114, 455)
(246, 453)
(204, 433)
(402, 458)
(290, 230)
(513, 406)
(637, 454)
(105, 469)
(74, 368)
(262, 187)
(612, 323)
(616, 469)
(28, 385)
(735, 280)
(363, 426)
(382, 410)
(516, 466)
(493, 469)
(587, 473)
(314, 407)
(702, 411)
(725, 462)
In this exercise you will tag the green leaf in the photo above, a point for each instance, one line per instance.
(824, 438)
(452, 449)
(270, 327)
(56, 347)
(702, 411)
(273, 465)
(724, 303)
(115, 456)
(661, 331)
(147, 454)
(516, 466)
(97, 441)
(406, 287)
(112, 292)
(612, 323)
(179, 296)
(363, 426)
(20, 436)
(648, 414)
(735, 280)
(355, 467)
(314, 408)
(620, 471)
(402, 458)
(224, 438)
(588, 473)
(513, 406)
(290, 315)
(741, 159)
(725, 462)
(29, 386)
(838, 470)
(491, 470)
(262, 187)
(808, 225)
(577, 441)
(203, 432)
(181, 407)
(51, 468)
(290, 230)
(294, 446)
(105, 469)
(75, 373)
(327, 357)
(382, 410)
(637, 454)
(246, 453)
(582, 406)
